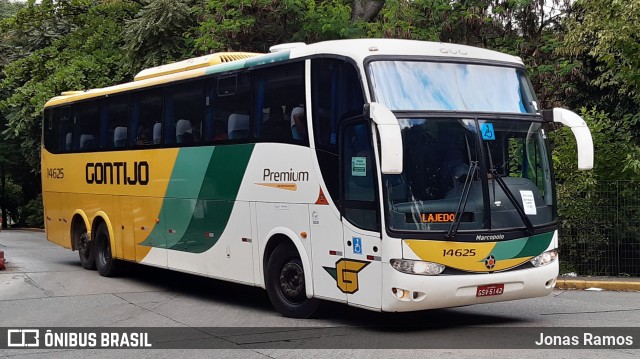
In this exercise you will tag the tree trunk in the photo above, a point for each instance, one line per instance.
(366, 10)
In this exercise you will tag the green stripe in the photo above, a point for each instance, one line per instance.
(522, 247)
(509, 249)
(250, 62)
(200, 197)
(267, 59)
(536, 245)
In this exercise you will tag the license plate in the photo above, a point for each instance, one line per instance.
(489, 290)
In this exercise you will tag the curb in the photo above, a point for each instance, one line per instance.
(606, 285)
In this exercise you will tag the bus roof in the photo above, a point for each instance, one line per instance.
(357, 49)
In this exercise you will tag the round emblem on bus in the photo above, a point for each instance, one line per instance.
(490, 262)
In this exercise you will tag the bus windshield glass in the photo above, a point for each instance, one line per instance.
(435, 86)
(464, 168)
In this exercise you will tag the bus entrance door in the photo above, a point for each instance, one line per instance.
(361, 271)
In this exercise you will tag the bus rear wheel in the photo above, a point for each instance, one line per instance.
(86, 250)
(285, 283)
(106, 264)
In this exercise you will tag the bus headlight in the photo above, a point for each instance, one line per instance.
(416, 267)
(545, 258)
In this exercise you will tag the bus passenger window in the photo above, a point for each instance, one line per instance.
(274, 126)
(87, 128)
(219, 131)
(184, 132)
(120, 137)
(298, 123)
(336, 93)
(68, 141)
(184, 108)
(117, 118)
(228, 108)
(87, 142)
(157, 133)
(279, 96)
(145, 112)
(238, 126)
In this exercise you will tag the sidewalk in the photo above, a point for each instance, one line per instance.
(606, 283)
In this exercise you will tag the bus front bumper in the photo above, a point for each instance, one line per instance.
(431, 292)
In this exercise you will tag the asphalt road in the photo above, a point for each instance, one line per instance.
(45, 286)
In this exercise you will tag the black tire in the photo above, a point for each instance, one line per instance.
(106, 264)
(85, 248)
(285, 283)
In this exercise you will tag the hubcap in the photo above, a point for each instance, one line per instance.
(292, 282)
(105, 253)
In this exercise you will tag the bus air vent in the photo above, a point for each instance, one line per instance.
(195, 63)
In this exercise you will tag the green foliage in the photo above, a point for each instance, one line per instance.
(34, 213)
(327, 20)
(157, 35)
(607, 30)
(9, 8)
(90, 55)
(247, 25)
(616, 155)
(12, 200)
(419, 20)
(585, 198)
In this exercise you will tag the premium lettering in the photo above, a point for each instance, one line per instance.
(290, 176)
(118, 173)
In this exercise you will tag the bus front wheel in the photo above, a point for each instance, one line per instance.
(106, 264)
(285, 283)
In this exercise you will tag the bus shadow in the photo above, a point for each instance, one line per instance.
(414, 321)
(334, 314)
(199, 287)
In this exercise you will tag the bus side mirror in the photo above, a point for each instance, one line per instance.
(580, 132)
(390, 138)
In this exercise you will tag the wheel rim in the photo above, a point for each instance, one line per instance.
(292, 282)
(105, 252)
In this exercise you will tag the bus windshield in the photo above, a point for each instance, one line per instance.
(436, 86)
(479, 170)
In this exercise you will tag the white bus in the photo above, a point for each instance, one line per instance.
(390, 175)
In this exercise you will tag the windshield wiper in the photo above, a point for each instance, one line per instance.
(463, 200)
(512, 198)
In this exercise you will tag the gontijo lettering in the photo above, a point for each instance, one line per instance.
(117, 173)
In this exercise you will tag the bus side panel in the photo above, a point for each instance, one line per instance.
(203, 249)
(328, 250)
(278, 217)
(55, 227)
(149, 231)
(127, 245)
(364, 275)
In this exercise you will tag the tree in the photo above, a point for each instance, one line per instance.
(157, 35)
(609, 32)
(9, 8)
(366, 10)
(246, 25)
(55, 46)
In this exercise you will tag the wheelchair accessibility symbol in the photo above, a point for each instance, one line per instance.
(487, 131)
